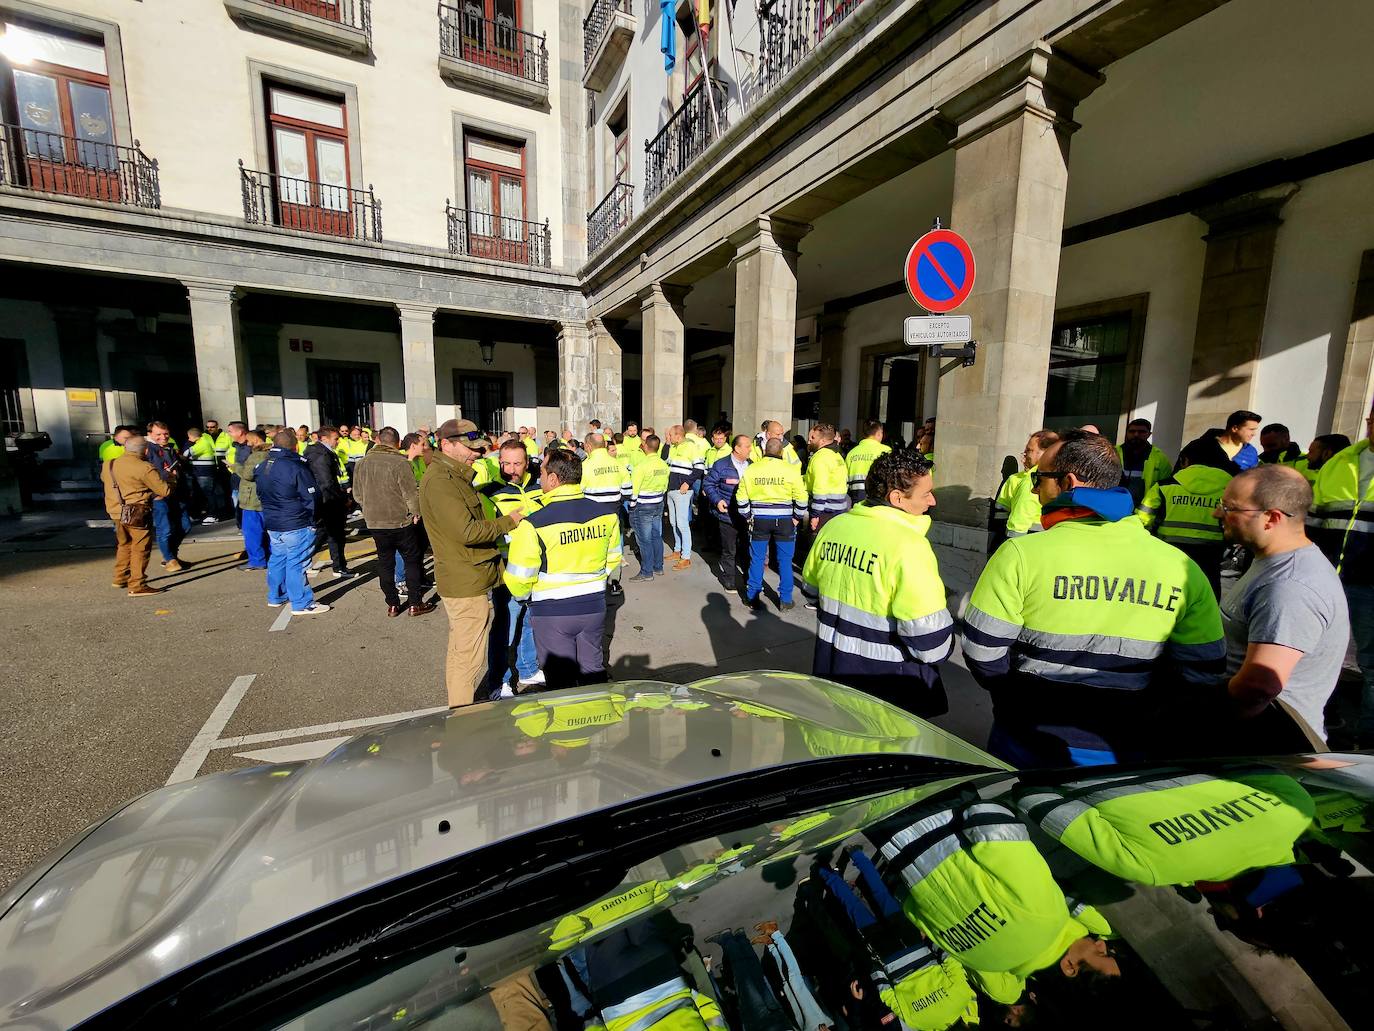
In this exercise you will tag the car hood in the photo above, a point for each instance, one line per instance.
(188, 870)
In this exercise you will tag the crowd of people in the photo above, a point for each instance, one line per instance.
(1098, 625)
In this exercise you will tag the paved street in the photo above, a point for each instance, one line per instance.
(106, 696)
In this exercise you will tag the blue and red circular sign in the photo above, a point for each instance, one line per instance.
(939, 271)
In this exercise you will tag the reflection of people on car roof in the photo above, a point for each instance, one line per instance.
(977, 887)
(1171, 826)
(636, 980)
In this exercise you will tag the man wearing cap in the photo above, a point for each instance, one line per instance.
(467, 561)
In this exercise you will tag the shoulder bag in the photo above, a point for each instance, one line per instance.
(136, 515)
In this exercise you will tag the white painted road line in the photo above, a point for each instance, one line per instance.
(323, 728)
(283, 617)
(200, 745)
(293, 753)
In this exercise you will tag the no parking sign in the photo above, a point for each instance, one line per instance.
(940, 271)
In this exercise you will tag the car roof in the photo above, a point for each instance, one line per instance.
(188, 870)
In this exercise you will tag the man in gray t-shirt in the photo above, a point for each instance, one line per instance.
(1286, 622)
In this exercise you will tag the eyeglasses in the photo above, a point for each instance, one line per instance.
(1038, 474)
(469, 436)
(1226, 509)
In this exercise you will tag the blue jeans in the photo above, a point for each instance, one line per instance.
(1360, 599)
(171, 523)
(1026, 755)
(254, 539)
(648, 524)
(680, 517)
(286, 566)
(784, 536)
(510, 625)
(400, 573)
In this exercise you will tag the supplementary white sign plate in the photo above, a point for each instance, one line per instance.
(919, 330)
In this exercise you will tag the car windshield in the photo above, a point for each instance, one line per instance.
(1205, 896)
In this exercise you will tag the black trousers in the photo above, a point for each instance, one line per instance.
(331, 528)
(734, 560)
(407, 541)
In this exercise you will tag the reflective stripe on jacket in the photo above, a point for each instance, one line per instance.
(560, 556)
(605, 478)
(685, 464)
(882, 604)
(827, 481)
(1180, 509)
(1341, 521)
(648, 481)
(771, 489)
(860, 460)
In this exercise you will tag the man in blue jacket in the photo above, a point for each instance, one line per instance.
(722, 480)
(286, 490)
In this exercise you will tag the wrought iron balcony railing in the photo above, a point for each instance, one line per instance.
(596, 23)
(610, 216)
(310, 207)
(48, 162)
(480, 234)
(694, 126)
(791, 29)
(356, 14)
(465, 35)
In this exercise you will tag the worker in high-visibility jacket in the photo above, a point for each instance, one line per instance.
(634, 978)
(648, 489)
(605, 480)
(220, 440)
(205, 466)
(511, 627)
(774, 431)
(559, 559)
(883, 624)
(773, 498)
(1076, 632)
(827, 476)
(720, 447)
(686, 470)
(114, 447)
(1181, 509)
(861, 458)
(978, 888)
(355, 447)
(1177, 828)
(1341, 523)
(1017, 504)
(1142, 464)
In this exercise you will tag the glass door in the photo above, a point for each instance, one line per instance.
(310, 159)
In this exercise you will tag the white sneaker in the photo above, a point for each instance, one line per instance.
(506, 691)
(275, 604)
(318, 608)
(208, 520)
(533, 681)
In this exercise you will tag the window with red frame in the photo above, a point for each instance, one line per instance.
(309, 144)
(494, 171)
(58, 93)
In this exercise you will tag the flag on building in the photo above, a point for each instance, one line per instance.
(667, 39)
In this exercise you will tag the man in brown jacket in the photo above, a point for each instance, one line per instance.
(129, 477)
(384, 486)
(467, 563)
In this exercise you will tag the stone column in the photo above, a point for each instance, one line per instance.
(664, 352)
(1230, 312)
(830, 330)
(80, 363)
(576, 377)
(417, 355)
(262, 354)
(1357, 367)
(219, 358)
(1010, 178)
(765, 266)
(609, 376)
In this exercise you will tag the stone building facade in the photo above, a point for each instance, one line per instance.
(1167, 200)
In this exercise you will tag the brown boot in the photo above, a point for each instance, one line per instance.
(673, 556)
(685, 563)
(144, 592)
(173, 566)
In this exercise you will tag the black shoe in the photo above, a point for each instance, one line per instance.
(641, 578)
(614, 587)
(344, 574)
(755, 603)
(729, 585)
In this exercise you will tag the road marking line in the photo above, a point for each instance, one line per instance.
(293, 753)
(283, 617)
(323, 728)
(199, 748)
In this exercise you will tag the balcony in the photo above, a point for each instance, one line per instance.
(492, 56)
(323, 209)
(694, 126)
(791, 29)
(480, 234)
(338, 26)
(607, 32)
(610, 216)
(47, 162)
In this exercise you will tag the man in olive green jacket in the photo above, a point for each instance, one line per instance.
(467, 562)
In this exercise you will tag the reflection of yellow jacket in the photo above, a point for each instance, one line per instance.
(573, 928)
(570, 720)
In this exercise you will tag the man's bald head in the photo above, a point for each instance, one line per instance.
(773, 446)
